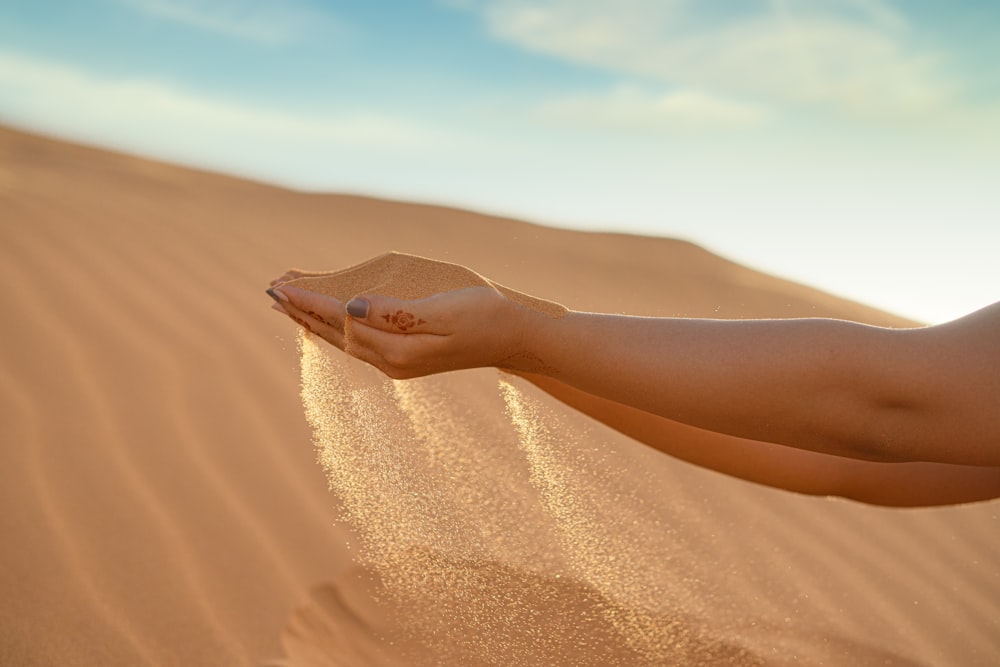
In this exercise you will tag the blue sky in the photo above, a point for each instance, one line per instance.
(850, 144)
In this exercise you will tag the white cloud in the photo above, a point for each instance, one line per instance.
(262, 21)
(850, 56)
(634, 108)
(40, 90)
(305, 148)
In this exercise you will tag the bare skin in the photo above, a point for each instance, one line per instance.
(896, 417)
(912, 484)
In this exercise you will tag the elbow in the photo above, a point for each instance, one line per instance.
(875, 405)
(915, 484)
(879, 429)
(864, 481)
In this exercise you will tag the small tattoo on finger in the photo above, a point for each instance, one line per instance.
(403, 320)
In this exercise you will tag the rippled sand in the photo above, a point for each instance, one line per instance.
(162, 503)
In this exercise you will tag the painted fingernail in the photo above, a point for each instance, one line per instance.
(357, 308)
(277, 295)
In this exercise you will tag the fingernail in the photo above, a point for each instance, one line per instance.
(277, 295)
(357, 308)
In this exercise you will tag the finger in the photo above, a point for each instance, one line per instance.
(396, 315)
(298, 304)
(312, 325)
(320, 307)
(398, 356)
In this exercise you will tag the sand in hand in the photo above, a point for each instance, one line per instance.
(411, 277)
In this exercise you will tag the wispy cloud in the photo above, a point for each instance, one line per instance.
(851, 57)
(266, 22)
(163, 119)
(633, 108)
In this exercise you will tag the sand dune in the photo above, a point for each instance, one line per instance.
(161, 500)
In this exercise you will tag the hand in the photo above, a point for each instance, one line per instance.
(466, 328)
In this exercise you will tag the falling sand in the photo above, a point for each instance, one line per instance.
(489, 531)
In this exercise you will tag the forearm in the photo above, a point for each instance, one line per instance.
(761, 462)
(829, 386)
(812, 384)
(787, 468)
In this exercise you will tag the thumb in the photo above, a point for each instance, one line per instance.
(392, 315)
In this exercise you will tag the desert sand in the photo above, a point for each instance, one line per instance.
(163, 500)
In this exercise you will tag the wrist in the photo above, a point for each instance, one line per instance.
(526, 348)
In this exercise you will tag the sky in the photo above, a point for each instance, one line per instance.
(852, 145)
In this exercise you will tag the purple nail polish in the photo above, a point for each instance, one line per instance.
(278, 296)
(357, 308)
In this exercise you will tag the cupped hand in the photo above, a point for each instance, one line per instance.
(466, 328)
(317, 313)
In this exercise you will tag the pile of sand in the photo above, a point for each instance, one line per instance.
(411, 277)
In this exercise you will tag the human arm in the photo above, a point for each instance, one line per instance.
(829, 386)
(914, 484)
(835, 387)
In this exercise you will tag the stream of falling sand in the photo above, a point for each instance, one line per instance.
(449, 493)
